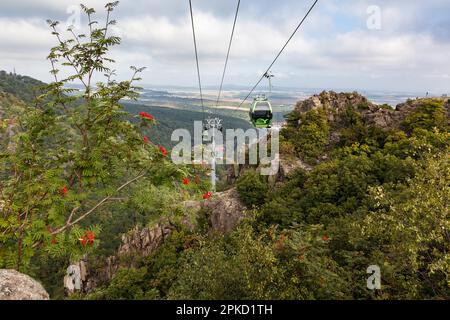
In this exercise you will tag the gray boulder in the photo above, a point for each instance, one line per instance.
(18, 286)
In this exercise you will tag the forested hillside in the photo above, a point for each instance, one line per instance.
(17, 88)
(23, 87)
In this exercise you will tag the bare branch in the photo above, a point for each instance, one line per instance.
(98, 205)
(72, 213)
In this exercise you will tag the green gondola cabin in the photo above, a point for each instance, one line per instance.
(261, 113)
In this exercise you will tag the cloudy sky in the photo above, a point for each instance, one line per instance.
(343, 44)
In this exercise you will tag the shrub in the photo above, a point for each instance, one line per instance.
(412, 229)
(428, 116)
(312, 135)
(127, 284)
(252, 188)
(292, 264)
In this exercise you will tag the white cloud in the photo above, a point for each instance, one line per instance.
(25, 37)
(333, 48)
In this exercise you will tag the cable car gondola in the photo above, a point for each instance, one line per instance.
(261, 113)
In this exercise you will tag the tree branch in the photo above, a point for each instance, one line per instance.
(69, 223)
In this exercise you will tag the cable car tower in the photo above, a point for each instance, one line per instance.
(212, 126)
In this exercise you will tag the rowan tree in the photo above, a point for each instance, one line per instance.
(76, 152)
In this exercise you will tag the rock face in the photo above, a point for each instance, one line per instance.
(17, 286)
(226, 210)
(136, 244)
(72, 279)
(78, 278)
(143, 242)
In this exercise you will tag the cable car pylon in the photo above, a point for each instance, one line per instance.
(211, 125)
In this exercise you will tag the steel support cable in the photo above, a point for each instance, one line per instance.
(279, 53)
(228, 53)
(196, 59)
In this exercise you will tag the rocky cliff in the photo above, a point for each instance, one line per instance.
(225, 208)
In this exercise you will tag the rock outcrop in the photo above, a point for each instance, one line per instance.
(78, 279)
(18, 286)
(143, 242)
(289, 164)
(334, 103)
(372, 114)
(136, 244)
(226, 210)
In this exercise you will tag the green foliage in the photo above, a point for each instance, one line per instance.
(290, 265)
(159, 200)
(386, 106)
(429, 115)
(164, 265)
(304, 252)
(77, 154)
(203, 220)
(127, 284)
(156, 274)
(70, 244)
(310, 136)
(252, 188)
(352, 127)
(22, 87)
(50, 271)
(334, 188)
(413, 229)
(240, 268)
(382, 196)
(419, 145)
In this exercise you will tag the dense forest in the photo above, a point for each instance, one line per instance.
(22, 87)
(87, 181)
